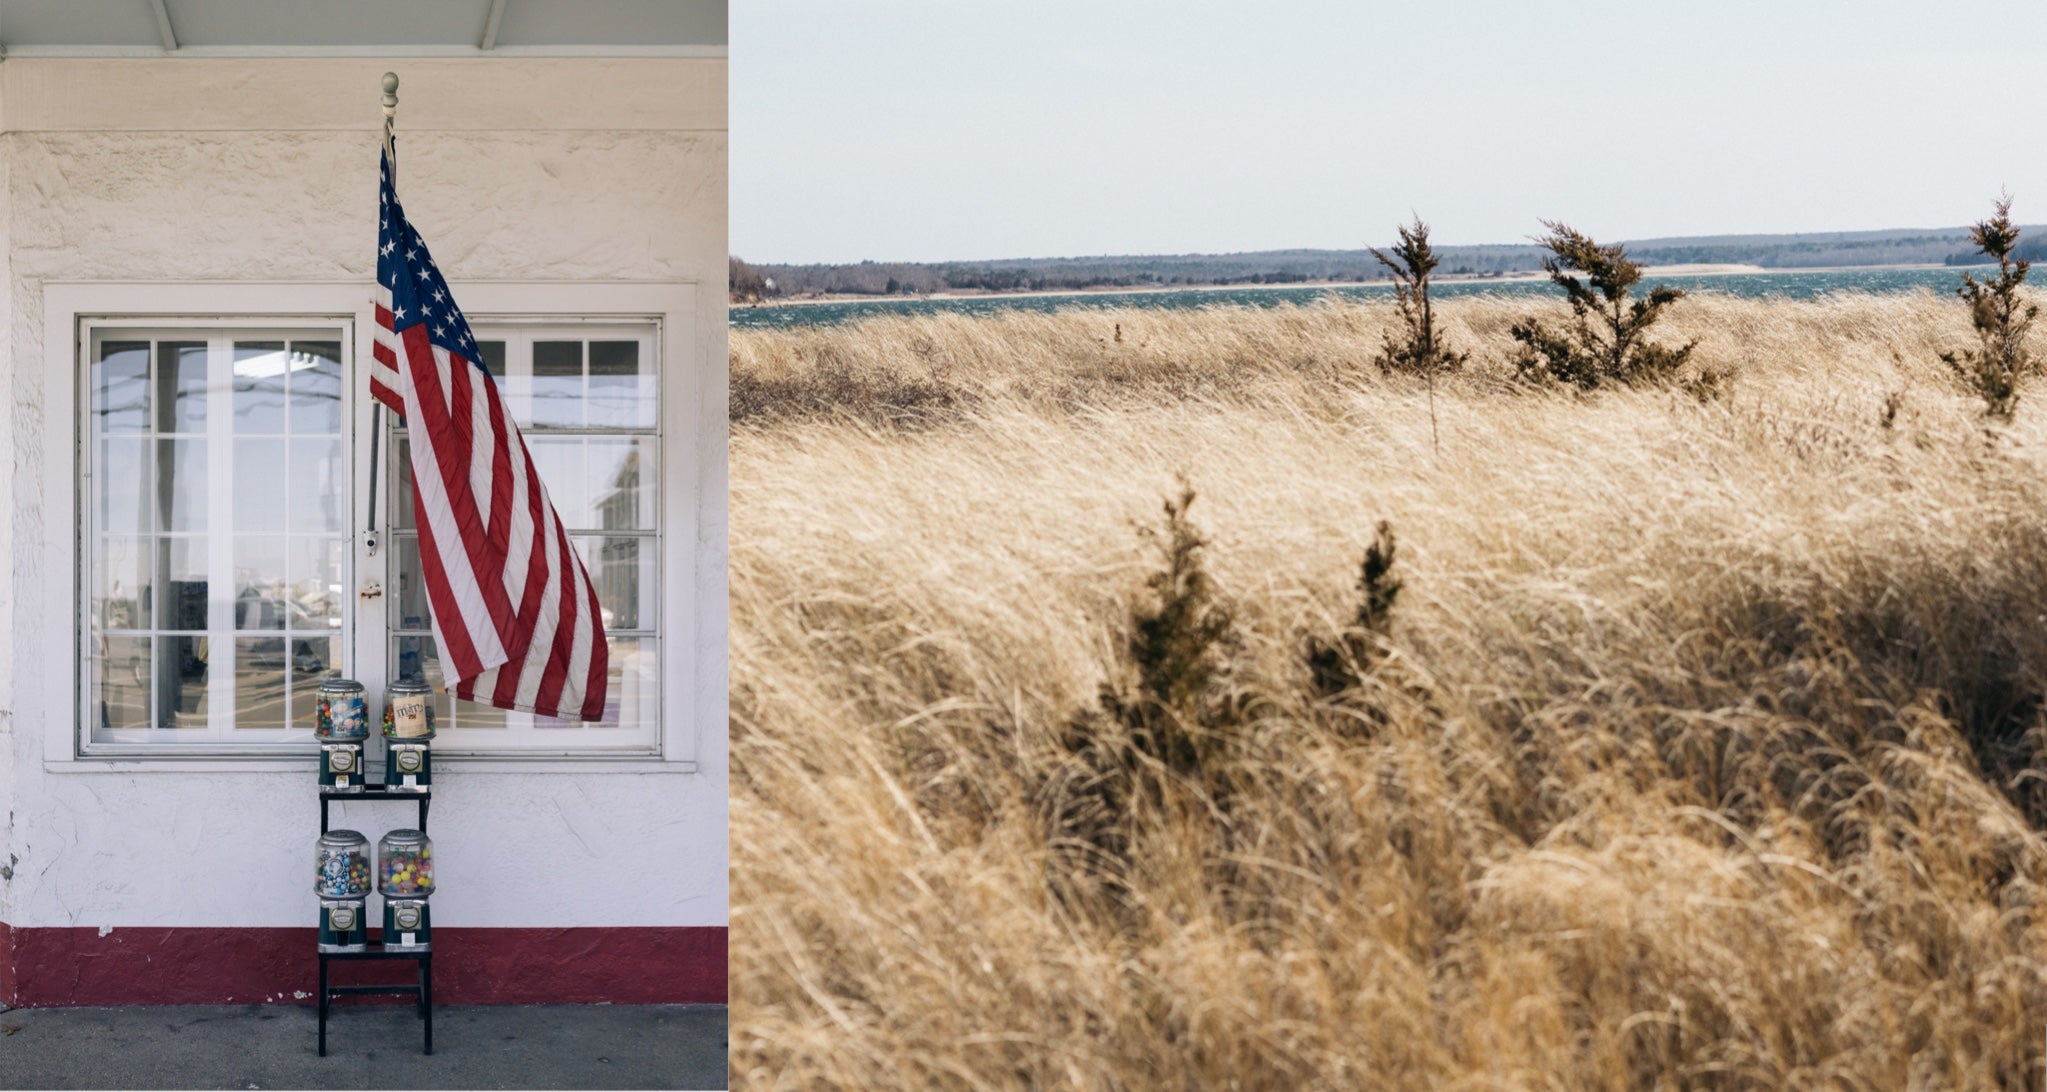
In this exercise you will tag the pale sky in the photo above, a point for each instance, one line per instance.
(926, 130)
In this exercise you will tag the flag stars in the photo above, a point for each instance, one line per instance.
(398, 312)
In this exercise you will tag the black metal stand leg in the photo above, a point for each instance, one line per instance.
(323, 1008)
(426, 997)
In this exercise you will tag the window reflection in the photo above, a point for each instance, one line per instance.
(181, 663)
(622, 570)
(314, 383)
(181, 386)
(174, 533)
(311, 659)
(122, 682)
(120, 387)
(260, 598)
(183, 561)
(121, 468)
(259, 389)
(314, 592)
(259, 485)
(557, 384)
(622, 497)
(260, 673)
(181, 484)
(559, 462)
(620, 396)
(123, 588)
(314, 493)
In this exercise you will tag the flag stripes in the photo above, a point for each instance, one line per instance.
(515, 613)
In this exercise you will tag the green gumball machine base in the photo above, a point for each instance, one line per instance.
(341, 767)
(344, 925)
(408, 767)
(406, 924)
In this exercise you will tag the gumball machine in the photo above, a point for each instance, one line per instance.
(341, 878)
(408, 726)
(341, 721)
(405, 877)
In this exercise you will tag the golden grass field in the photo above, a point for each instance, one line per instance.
(1707, 752)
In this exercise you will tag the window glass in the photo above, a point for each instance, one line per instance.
(260, 368)
(120, 388)
(621, 394)
(556, 385)
(181, 377)
(216, 512)
(313, 386)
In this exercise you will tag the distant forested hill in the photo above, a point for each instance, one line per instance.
(1841, 248)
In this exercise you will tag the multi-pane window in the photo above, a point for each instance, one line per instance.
(221, 515)
(587, 400)
(215, 522)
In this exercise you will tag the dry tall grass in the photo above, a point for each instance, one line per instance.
(1709, 753)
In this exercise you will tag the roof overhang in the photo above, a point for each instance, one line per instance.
(363, 28)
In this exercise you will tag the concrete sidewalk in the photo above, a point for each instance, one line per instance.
(368, 1046)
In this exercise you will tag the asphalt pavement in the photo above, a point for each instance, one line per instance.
(368, 1046)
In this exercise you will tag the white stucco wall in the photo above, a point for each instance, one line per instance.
(537, 170)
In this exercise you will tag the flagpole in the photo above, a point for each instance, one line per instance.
(376, 407)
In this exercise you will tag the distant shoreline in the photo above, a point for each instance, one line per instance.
(1518, 276)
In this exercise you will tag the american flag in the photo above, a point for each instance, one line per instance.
(514, 612)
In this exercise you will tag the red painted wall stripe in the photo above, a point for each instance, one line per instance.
(7, 964)
(219, 966)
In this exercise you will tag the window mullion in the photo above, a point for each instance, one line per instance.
(220, 542)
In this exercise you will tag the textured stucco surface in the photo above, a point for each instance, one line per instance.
(271, 190)
(9, 858)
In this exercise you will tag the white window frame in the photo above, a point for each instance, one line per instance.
(61, 552)
(217, 739)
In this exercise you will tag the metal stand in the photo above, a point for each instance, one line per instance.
(377, 792)
(423, 992)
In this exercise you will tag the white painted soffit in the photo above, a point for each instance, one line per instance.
(366, 28)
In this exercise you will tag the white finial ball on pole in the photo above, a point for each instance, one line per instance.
(390, 94)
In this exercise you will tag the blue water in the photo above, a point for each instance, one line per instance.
(1788, 284)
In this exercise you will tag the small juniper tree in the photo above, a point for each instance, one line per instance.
(1165, 724)
(1175, 644)
(1339, 665)
(2001, 318)
(1605, 342)
(1420, 349)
